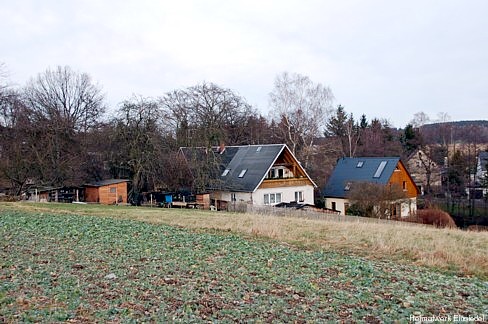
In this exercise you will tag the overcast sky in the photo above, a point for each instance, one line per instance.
(386, 59)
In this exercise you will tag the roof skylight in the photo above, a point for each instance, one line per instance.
(380, 169)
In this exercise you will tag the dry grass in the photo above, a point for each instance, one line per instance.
(447, 249)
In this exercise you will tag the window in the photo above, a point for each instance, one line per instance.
(259, 149)
(113, 189)
(333, 205)
(299, 196)
(360, 164)
(233, 197)
(225, 172)
(273, 198)
(347, 187)
(380, 169)
(243, 172)
(279, 173)
(404, 185)
(273, 173)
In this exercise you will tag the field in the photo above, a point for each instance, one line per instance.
(93, 263)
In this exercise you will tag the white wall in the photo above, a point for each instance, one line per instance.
(257, 197)
(408, 208)
(340, 204)
(287, 194)
(227, 196)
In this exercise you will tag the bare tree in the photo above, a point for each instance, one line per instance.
(300, 107)
(428, 167)
(139, 144)
(63, 106)
(66, 97)
(16, 160)
(374, 199)
(206, 115)
(419, 119)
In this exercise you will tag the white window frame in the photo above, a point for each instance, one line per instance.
(299, 197)
(272, 198)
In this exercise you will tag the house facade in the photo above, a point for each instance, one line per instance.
(384, 171)
(481, 173)
(258, 175)
(424, 171)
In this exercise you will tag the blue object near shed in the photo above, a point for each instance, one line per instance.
(168, 198)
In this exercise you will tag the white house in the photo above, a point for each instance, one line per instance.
(258, 175)
(481, 173)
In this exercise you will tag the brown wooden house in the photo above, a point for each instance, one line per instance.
(107, 192)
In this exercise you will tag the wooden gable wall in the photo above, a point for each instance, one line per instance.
(401, 175)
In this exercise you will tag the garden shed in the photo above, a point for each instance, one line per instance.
(107, 192)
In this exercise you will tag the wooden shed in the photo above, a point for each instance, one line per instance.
(107, 192)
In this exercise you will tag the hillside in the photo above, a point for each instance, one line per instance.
(59, 265)
(467, 131)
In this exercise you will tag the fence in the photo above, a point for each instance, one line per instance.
(310, 214)
(465, 212)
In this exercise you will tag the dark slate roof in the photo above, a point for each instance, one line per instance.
(347, 170)
(106, 182)
(257, 160)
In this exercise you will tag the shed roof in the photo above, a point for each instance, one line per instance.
(360, 169)
(106, 182)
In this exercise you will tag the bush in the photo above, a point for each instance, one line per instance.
(7, 198)
(435, 217)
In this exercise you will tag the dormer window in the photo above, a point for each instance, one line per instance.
(243, 172)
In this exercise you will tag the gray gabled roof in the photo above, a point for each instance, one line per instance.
(256, 160)
(361, 169)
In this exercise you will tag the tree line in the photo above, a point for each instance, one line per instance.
(55, 130)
